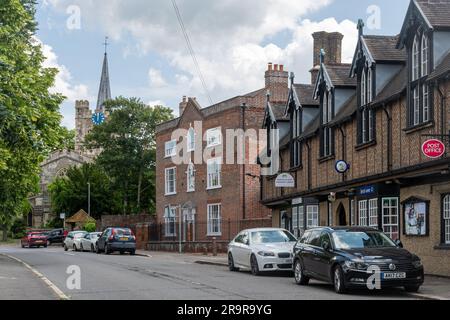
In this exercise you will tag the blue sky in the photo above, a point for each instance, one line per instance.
(233, 40)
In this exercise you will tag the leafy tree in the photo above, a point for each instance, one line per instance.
(69, 194)
(128, 143)
(29, 113)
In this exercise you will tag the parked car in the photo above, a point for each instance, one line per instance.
(116, 239)
(88, 242)
(55, 236)
(34, 239)
(69, 242)
(261, 250)
(347, 256)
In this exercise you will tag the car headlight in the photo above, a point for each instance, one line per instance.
(356, 265)
(417, 264)
(266, 254)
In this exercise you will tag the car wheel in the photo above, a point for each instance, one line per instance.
(48, 243)
(122, 253)
(75, 247)
(65, 247)
(45, 246)
(81, 248)
(299, 276)
(133, 252)
(106, 249)
(97, 249)
(231, 263)
(412, 289)
(92, 248)
(254, 266)
(338, 280)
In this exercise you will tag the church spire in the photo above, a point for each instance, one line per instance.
(104, 92)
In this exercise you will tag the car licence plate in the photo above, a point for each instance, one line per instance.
(39, 241)
(394, 275)
(123, 239)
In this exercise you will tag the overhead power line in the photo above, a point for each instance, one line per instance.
(191, 50)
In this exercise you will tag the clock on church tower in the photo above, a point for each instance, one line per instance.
(98, 118)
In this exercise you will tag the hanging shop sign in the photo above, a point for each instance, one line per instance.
(433, 148)
(285, 180)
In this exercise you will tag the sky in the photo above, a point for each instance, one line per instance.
(233, 41)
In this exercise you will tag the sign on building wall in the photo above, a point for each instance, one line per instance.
(433, 148)
(285, 180)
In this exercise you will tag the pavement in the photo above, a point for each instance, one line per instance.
(159, 276)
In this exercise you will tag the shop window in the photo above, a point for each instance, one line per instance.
(373, 213)
(298, 221)
(362, 206)
(312, 216)
(390, 217)
(352, 213)
(446, 219)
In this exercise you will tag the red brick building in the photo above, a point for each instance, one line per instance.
(356, 151)
(212, 197)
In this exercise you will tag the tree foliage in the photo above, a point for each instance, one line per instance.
(128, 143)
(29, 113)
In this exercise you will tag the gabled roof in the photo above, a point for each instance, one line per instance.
(442, 69)
(384, 48)
(334, 75)
(305, 93)
(276, 112)
(80, 217)
(437, 12)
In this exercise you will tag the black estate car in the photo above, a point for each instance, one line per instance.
(350, 256)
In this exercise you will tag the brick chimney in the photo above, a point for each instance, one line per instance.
(183, 105)
(331, 43)
(275, 75)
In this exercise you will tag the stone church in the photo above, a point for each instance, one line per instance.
(58, 162)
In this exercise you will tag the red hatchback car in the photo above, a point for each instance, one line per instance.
(34, 239)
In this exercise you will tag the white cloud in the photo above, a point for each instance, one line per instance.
(64, 84)
(227, 37)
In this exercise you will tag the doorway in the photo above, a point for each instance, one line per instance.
(342, 216)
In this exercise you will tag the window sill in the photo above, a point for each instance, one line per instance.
(365, 145)
(170, 194)
(297, 168)
(214, 235)
(442, 247)
(190, 191)
(213, 188)
(169, 157)
(327, 158)
(418, 127)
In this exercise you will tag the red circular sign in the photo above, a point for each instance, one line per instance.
(433, 148)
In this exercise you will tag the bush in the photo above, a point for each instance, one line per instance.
(18, 228)
(90, 227)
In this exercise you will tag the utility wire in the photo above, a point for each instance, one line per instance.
(191, 50)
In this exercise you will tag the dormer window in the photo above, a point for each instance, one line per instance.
(420, 98)
(296, 148)
(326, 132)
(366, 117)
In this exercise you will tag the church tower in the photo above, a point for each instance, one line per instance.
(83, 114)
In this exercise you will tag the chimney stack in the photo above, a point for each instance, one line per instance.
(331, 43)
(275, 75)
(183, 105)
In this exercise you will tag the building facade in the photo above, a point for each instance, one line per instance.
(58, 162)
(208, 195)
(355, 144)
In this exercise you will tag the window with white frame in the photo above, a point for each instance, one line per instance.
(390, 217)
(420, 100)
(214, 220)
(362, 212)
(214, 137)
(214, 173)
(326, 132)
(373, 213)
(352, 213)
(191, 140)
(171, 181)
(170, 217)
(171, 148)
(446, 219)
(312, 216)
(190, 177)
(298, 221)
(366, 118)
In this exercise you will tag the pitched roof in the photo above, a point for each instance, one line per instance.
(443, 68)
(436, 11)
(384, 48)
(393, 88)
(305, 93)
(80, 217)
(338, 74)
(279, 112)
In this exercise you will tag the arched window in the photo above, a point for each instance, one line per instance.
(415, 58)
(363, 88)
(191, 140)
(369, 86)
(425, 59)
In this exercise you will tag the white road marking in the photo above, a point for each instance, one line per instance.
(69, 254)
(55, 289)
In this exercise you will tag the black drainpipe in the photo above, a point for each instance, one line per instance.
(443, 99)
(244, 213)
(308, 146)
(389, 137)
(344, 149)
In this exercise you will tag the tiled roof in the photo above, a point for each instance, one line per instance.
(279, 112)
(393, 87)
(305, 93)
(436, 11)
(338, 74)
(384, 48)
(442, 69)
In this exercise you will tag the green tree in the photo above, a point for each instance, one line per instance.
(29, 113)
(69, 194)
(128, 143)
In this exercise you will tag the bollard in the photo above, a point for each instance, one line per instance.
(214, 247)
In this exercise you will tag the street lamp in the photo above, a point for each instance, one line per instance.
(89, 198)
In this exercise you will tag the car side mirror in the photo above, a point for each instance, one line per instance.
(399, 243)
(247, 243)
(326, 246)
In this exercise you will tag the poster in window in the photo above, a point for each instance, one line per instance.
(416, 219)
